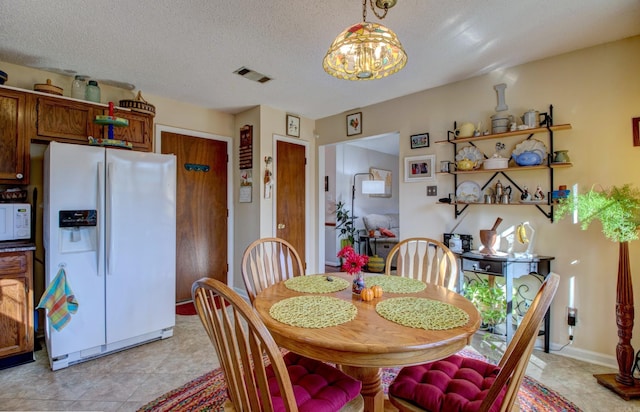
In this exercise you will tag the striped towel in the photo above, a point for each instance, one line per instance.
(59, 301)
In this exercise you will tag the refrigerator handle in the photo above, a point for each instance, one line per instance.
(100, 203)
(109, 209)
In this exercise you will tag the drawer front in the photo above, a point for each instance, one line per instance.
(485, 266)
(13, 263)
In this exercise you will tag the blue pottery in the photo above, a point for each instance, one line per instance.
(527, 159)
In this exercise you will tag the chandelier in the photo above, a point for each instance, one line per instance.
(366, 51)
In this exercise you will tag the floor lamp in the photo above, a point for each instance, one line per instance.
(369, 187)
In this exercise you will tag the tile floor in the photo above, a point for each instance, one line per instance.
(127, 380)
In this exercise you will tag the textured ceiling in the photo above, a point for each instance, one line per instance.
(188, 50)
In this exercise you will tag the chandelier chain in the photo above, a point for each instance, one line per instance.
(364, 11)
(386, 9)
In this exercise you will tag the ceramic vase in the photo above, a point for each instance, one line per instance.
(358, 283)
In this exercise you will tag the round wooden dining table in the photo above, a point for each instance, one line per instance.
(369, 342)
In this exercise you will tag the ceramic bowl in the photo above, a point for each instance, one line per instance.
(496, 163)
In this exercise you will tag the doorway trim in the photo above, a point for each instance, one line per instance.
(159, 128)
(308, 197)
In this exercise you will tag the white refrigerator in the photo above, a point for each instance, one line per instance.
(110, 223)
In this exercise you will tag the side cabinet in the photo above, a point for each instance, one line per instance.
(16, 304)
(14, 147)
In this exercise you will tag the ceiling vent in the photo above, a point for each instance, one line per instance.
(252, 75)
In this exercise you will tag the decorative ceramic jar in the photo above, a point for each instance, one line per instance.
(561, 156)
(375, 264)
(358, 283)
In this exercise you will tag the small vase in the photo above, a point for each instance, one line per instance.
(561, 156)
(358, 283)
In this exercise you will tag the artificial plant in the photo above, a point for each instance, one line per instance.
(618, 210)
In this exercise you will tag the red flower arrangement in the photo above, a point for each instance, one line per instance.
(352, 262)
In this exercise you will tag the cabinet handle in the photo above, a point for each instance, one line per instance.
(281, 226)
(19, 175)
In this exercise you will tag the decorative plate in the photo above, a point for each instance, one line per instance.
(532, 145)
(472, 153)
(468, 192)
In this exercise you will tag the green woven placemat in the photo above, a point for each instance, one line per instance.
(396, 284)
(421, 313)
(316, 284)
(313, 311)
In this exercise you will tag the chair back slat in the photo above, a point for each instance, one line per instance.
(244, 347)
(514, 361)
(423, 259)
(268, 261)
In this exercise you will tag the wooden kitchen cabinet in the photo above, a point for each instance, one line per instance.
(16, 304)
(138, 132)
(62, 120)
(14, 145)
(71, 121)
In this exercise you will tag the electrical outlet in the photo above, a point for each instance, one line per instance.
(572, 316)
(432, 190)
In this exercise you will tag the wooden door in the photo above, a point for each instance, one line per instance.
(201, 210)
(290, 195)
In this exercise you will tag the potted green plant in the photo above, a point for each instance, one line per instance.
(490, 301)
(618, 210)
(344, 223)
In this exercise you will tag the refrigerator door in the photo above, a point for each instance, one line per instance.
(71, 182)
(140, 243)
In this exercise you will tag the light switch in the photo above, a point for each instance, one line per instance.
(432, 190)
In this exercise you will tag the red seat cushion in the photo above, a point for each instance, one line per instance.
(317, 386)
(453, 384)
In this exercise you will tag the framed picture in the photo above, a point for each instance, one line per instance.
(419, 140)
(382, 174)
(419, 168)
(293, 126)
(354, 124)
(635, 123)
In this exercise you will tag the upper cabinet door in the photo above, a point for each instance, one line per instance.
(14, 149)
(64, 120)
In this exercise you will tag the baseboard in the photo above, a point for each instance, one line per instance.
(584, 355)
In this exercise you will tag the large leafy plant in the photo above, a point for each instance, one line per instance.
(344, 223)
(617, 209)
(490, 301)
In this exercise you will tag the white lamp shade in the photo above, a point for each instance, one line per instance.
(373, 187)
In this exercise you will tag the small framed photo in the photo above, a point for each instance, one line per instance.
(354, 124)
(419, 140)
(293, 126)
(420, 168)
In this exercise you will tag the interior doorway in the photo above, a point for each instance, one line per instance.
(342, 161)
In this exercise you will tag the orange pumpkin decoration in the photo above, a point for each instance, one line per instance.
(366, 294)
(377, 291)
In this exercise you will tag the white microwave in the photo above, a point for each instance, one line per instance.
(15, 221)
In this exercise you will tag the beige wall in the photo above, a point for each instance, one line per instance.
(597, 91)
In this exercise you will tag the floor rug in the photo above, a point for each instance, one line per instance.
(208, 393)
(186, 309)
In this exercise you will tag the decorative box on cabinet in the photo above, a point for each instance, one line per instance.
(548, 129)
(16, 308)
(14, 156)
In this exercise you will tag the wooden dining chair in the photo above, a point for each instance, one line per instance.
(258, 376)
(423, 259)
(457, 383)
(268, 261)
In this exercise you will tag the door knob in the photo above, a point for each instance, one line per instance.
(19, 175)
(281, 226)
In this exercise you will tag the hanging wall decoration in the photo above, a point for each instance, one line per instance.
(246, 147)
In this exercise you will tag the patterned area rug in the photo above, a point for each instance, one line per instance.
(208, 393)
(186, 309)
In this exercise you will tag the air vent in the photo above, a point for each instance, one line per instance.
(252, 75)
